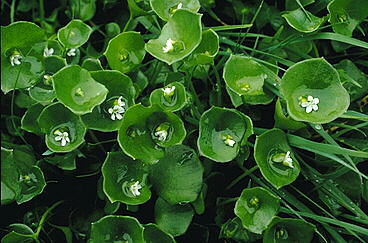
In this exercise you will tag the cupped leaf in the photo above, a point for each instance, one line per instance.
(153, 234)
(220, 139)
(233, 229)
(166, 8)
(287, 230)
(179, 37)
(206, 51)
(346, 15)
(145, 131)
(56, 120)
(125, 51)
(256, 207)
(83, 10)
(74, 34)
(275, 159)
(114, 228)
(22, 45)
(172, 97)
(303, 21)
(243, 75)
(92, 64)
(77, 90)
(29, 120)
(125, 179)
(121, 92)
(173, 219)
(177, 177)
(313, 91)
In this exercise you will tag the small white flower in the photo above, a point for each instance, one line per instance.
(288, 161)
(116, 112)
(180, 5)
(120, 101)
(134, 189)
(169, 47)
(48, 52)
(161, 135)
(229, 142)
(71, 52)
(16, 59)
(62, 136)
(169, 91)
(310, 104)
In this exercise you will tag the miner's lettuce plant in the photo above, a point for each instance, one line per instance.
(152, 121)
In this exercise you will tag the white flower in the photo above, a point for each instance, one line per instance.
(117, 109)
(71, 52)
(16, 59)
(169, 91)
(169, 47)
(309, 104)
(48, 52)
(288, 161)
(180, 5)
(116, 112)
(62, 136)
(229, 142)
(161, 135)
(134, 189)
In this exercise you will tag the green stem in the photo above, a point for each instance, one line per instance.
(43, 219)
(42, 10)
(218, 86)
(241, 177)
(12, 10)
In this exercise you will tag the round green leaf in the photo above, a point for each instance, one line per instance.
(22, 45)
(303, 21)
(125, 51)
(92, 64)
(172, 97)
(220, 139)
(113, 228)
(74, 34)
(179, 37)
(56, 117)
(120, 176)
(173, 219)
(166, 8)
(243, 75)
(287, 230)
(316, 78)
(119, 85)
(145, 131)
(233, 229)
(275, 159)
(256, 207)
(346, 15)
(153, 234)
(77, 90)
(177, 177)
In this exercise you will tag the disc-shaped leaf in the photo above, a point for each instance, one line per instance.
(74, 34)
(287, 230)
(172, 97)
(120, 86)
(313, 91)
(179, 37)
(56, 119)
(173, 219)
(125, 51)
(220, 139)
(125, 179)
(243, 75)
(166, 8)
(145, 131)
(275, 159)
(346, 15)
(256, 207)
(303, 21)
(153, 234)
(177, 177)
(77, 90)
(22, 45)
(114, 228)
